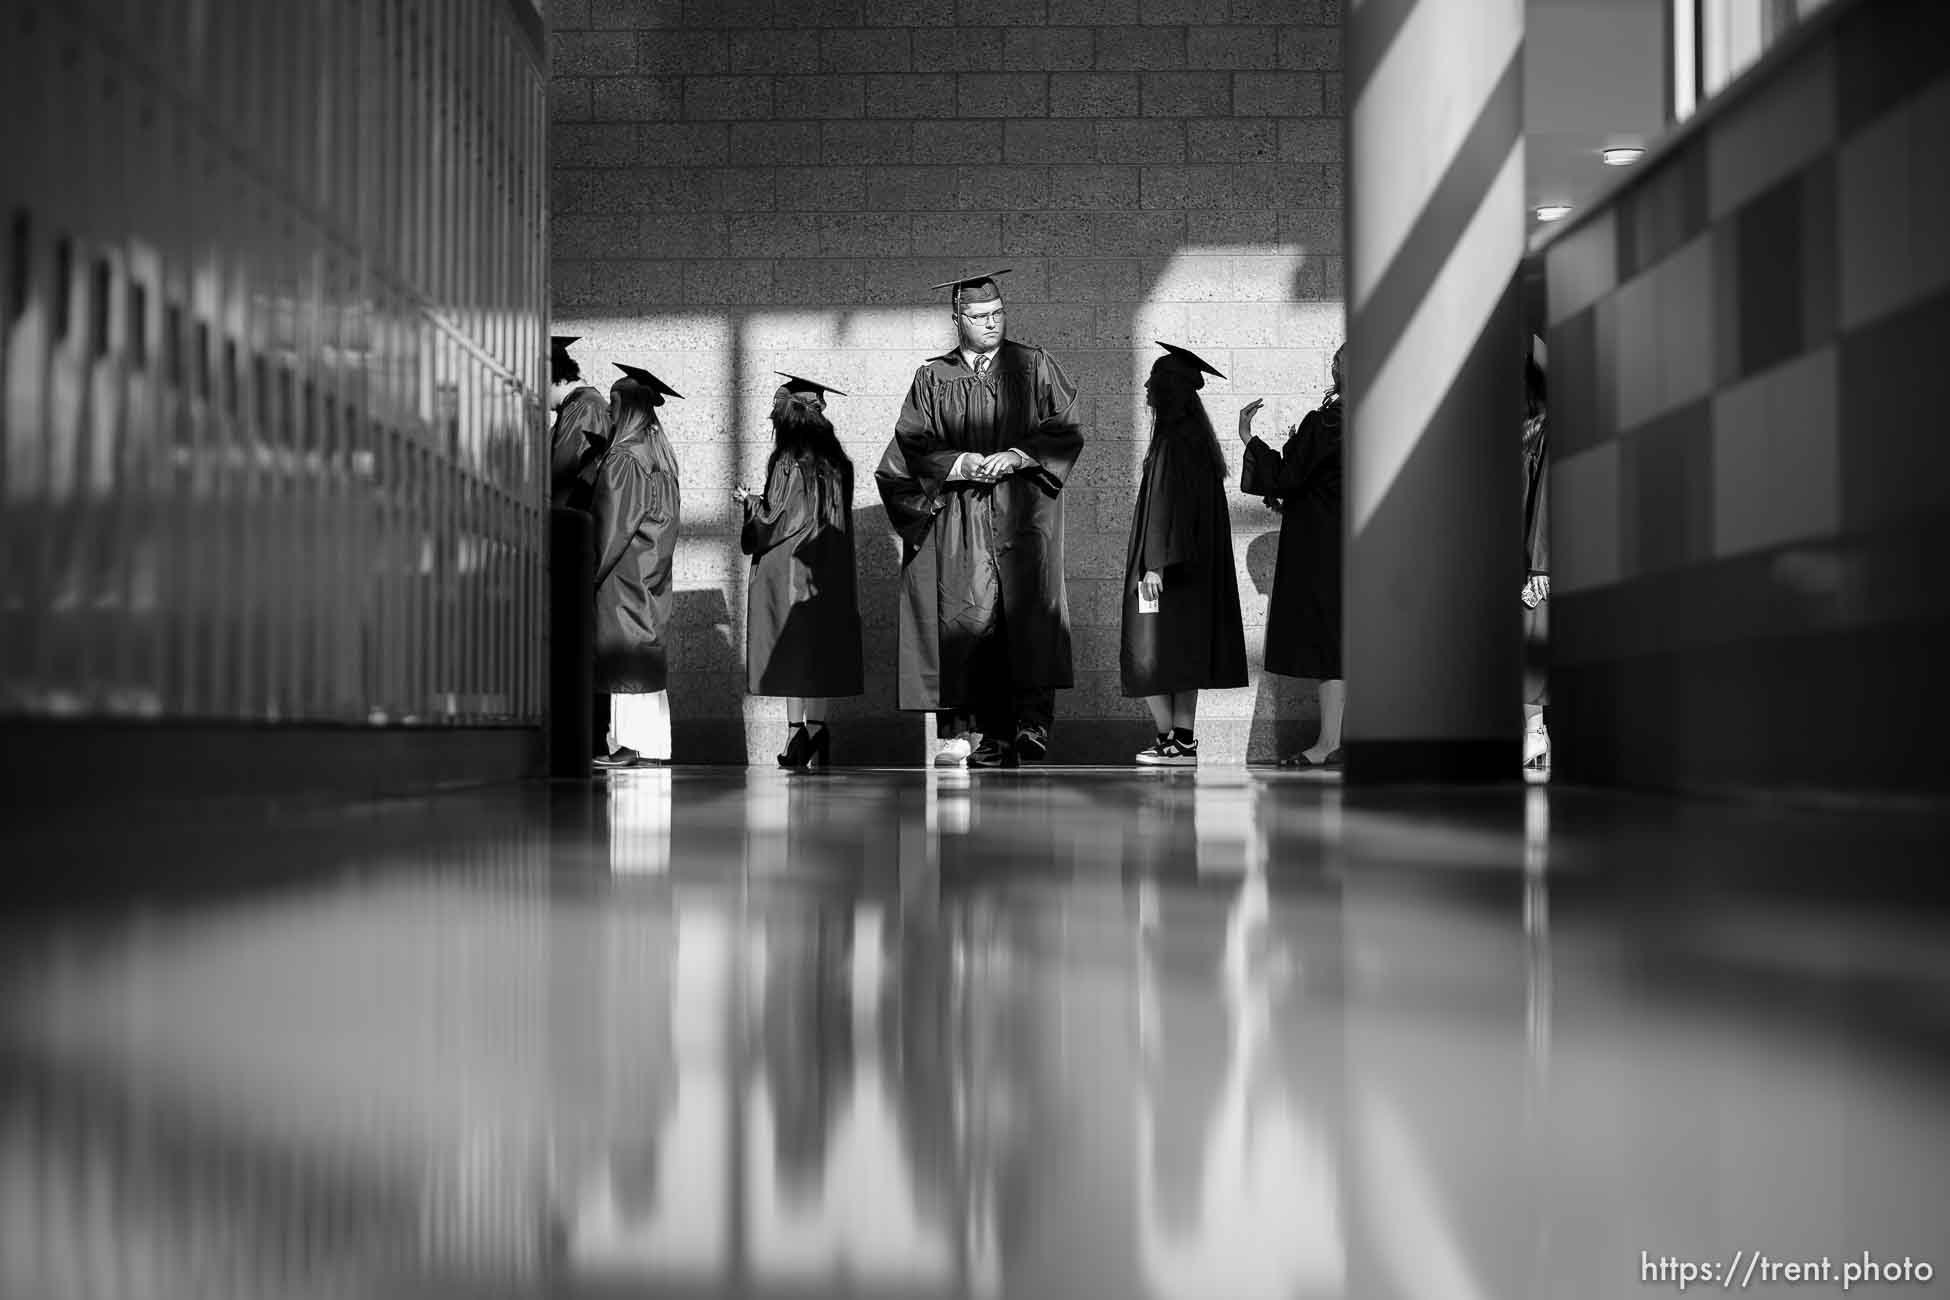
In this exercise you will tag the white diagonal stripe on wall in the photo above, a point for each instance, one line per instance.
(1411, 118)
(1393, 410)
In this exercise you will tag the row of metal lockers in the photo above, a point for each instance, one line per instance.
(275, 287)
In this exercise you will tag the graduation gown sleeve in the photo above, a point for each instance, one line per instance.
(1056, 440)
(910, 507)
(1536, 499)
(1172, 511)
(929, 452)
(781, 514)
(636, 509)
(630, 498)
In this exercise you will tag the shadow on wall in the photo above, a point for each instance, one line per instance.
(702, 648)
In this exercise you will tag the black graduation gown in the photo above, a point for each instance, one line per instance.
(1303, 620)
(802, 623)
(1182, 530)
(1537, 555)
(636, 507)
(1536, 497)
(580, 437)
(974, 550)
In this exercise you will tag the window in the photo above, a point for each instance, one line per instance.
(1714, 41)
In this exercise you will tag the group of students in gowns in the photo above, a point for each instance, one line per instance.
(973, 482)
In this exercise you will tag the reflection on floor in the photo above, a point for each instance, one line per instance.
(1051, 1035)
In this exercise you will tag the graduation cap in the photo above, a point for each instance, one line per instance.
(808, 387)
(644, 379)
(1187, 357)
(561, 342)
(975, 288)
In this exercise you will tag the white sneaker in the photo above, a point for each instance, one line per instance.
(1169, 753)
(953, 753)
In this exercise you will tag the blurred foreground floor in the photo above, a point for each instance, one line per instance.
(1059, 1035)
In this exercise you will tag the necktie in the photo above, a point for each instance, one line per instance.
(982, 366)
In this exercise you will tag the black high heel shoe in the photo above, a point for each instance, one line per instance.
(804, 749)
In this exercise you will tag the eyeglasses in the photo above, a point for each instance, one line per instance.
(985, 317)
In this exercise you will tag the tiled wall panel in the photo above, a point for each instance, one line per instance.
(1748, 387)
(275, 299)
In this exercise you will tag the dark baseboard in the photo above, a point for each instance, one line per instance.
(53, 765)
(1437, 762)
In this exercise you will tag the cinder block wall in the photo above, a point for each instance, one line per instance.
(743, 186)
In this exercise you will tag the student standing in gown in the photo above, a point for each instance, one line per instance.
(1182, 628)
(802, 624)
(1303, 621)
(1537, 552)
(581, 432)
(636, 508)
(973, 483)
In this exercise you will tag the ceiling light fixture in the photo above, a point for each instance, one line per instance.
(1623, 155)
(1554, 212)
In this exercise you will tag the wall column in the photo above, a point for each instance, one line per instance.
(1436, 230)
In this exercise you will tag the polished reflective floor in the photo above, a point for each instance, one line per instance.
(1059, 1035)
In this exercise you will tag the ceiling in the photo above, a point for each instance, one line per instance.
(1594, 76)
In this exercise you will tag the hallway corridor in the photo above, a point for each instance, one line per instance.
(1042, 1035)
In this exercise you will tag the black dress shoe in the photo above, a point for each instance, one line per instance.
(617, 758)
(994, 753)
(807, 748)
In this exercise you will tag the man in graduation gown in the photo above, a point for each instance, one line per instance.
(581, 432)
(973, 482)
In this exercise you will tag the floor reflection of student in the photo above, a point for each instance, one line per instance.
(922, 1063)
(615, 1093)
(639, 824)
(808, 1042)
(1239, 1172)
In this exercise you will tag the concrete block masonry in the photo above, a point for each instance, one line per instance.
(748, 185)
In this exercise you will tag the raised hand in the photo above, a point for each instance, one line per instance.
(1246, 414)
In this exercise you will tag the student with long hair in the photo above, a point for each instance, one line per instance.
(1182, 627)
(802, 624)
(1303, 620)
(636, 507)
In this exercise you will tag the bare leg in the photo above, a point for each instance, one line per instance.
(795, 710)
(1161, 711)
(1184, 710)
(1333, 704)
